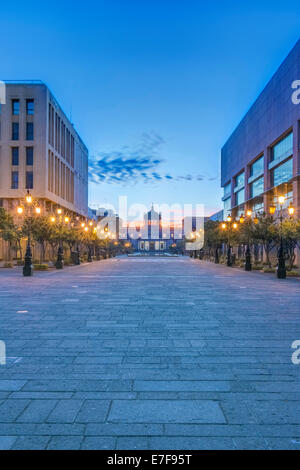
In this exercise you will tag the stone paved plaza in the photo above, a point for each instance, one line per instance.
(135, 353)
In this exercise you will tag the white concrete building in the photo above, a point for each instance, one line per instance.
(41, 151)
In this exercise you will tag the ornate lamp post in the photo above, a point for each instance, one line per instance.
(248, 265)
(27, 208)
(229, 225)
(281, 269)
(60, 252)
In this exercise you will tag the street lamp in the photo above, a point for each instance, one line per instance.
(60, 251)
(27, 206)
(229, 225)
(281, 269)
(248, 265)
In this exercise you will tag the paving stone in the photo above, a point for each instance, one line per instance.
(161, 353)
(93, 411)
(191, 443)
(6, 442)
(65, 411)
(163, 411)
(133, 443)
(11, 385)
(99, 443)
(31, 443)
(65, 443)
(37, 411)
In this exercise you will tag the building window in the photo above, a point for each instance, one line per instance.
(29, 107)
(15, 156)
(29, 180)
(257, 168)
(14, 180)
(15, 131)
(29, 156)
(282, 173)
(257, 187)
(15, 105)
(227, 206)
(240, 197)
(240, 180)
(283, 149)
(227, 190)
(29, 130)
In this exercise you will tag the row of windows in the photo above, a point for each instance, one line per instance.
(28, 180)
(15, 107)
(15, 132)
(60, 178)
(280, 174)
(15, 156)
(60, 137)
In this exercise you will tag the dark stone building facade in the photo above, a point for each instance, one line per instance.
(261, 159)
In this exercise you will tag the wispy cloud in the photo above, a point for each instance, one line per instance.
(129, 166)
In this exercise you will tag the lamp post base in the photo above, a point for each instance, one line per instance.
(281, 270)
(217, 256)
(229, 258)
(248, 265)
(60, 258)
(28, 268)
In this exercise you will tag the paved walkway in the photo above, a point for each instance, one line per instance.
(149, 353)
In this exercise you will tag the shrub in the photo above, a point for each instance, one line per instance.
(20, 262)
(292, 274)
(269, 270)
(68, 262)
(257, 267)
(41, 267)
(8, 265)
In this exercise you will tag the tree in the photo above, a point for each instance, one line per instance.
(291, 237)
(41, 231)
(8, 230)
(213, 236)
(266, 232)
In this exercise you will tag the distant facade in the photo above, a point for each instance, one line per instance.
(40, 151)
(152, 236)
(261, 159)
(217, 216)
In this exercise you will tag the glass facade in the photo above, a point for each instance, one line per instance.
(240, 197)
(257, 168)
(283, 149)
(227, 207)
(240, 180)
(257, 187)
(282, 173)
(227, 190)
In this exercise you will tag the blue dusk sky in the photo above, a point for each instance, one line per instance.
(154, 87)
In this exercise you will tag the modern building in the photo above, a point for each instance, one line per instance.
(261, 159)
(40, 151)
(217, 216)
